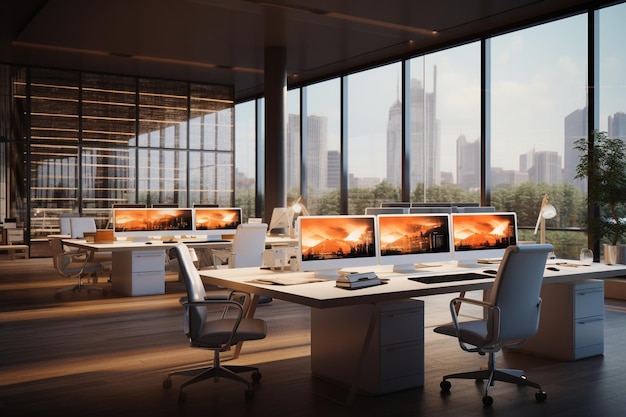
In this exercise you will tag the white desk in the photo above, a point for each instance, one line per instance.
(138, 268)
(324, 295)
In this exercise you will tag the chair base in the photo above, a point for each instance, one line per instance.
(491, 374)
(215, 372)
(78, 288)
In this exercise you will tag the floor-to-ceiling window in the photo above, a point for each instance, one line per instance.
(444, 125)
(97, 140)
(322, 155)
(245, 157)
(538, 109)
(373, 136)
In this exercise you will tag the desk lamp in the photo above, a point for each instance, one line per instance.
(297, 209)
(547, 211)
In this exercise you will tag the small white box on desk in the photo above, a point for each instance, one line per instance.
(275, 258)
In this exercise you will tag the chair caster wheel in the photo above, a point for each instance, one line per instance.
(167, 383)
(541, 396)
(487, 401)
(256, 376)
(445, 386)
(249, 394)
(182, 397)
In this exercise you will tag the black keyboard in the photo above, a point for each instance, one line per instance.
(436, 279)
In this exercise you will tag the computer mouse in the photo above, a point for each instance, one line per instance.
(553, 268)
(490, 271)
(148, 243)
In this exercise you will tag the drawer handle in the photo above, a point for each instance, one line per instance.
(588, 292)
(590, 320)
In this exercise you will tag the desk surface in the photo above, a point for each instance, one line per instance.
(325, 294)
(125, 245)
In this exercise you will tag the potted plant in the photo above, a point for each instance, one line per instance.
(606, 174)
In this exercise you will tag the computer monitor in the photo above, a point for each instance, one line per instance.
(386, 210)
(146, 222)
(331, 243)
(410, 240)
(279, 223)
(214, 222)
(479, 236)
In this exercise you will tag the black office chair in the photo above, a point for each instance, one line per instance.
(215, 325)
(511, 316)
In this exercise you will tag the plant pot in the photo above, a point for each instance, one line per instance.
(614, 254)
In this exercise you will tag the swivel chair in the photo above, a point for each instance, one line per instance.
(214, 324)
(74, 264)
(511, 316)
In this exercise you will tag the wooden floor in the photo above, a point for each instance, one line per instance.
(88, 355)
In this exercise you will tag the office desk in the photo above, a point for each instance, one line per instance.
(138, 268)
(369, 305)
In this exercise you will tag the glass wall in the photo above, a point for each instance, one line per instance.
(444, 125)
(538, 109)
(322, 155)
(96, 140)
(535, 107)
(245, 157)
(374, 140)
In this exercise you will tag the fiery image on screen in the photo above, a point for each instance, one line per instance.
(336, 238)
(151, 219)
(403, 235)
(483, 232)
(216, 219)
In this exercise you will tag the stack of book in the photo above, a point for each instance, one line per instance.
(353, 280)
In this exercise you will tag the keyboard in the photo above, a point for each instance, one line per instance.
(436, 279)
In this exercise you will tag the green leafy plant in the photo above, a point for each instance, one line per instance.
(604, 166)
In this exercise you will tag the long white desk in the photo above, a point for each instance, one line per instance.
(137, 268)
(369, 306)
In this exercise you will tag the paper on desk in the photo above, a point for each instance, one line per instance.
(286, 280)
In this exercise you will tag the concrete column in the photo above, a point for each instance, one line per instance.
(275, 139)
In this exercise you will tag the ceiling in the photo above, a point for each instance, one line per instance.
(224, 41)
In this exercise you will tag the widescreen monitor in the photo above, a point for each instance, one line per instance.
(137, 222)
(331, 243)
(408, 241)
(482, 236)
(214, 222)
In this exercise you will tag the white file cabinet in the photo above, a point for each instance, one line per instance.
(139, 272)
(395, 360)
(572, 321)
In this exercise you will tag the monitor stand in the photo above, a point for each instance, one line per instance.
(410, 268)
(470, 263)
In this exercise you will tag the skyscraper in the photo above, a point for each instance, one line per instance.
(468, 163)
(424, 141)
(617, 126)
(575, 128)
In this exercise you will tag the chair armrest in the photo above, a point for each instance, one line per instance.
(227, 305)
(492, 311)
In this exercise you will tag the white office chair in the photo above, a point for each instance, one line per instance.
(246, 250)
(74, 264)
(511, 316)
(214, 324)
(80, 225)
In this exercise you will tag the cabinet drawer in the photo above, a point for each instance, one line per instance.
(401, 360)
(148, 261)
(401, 326)
(589, 331)
(588, 301)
